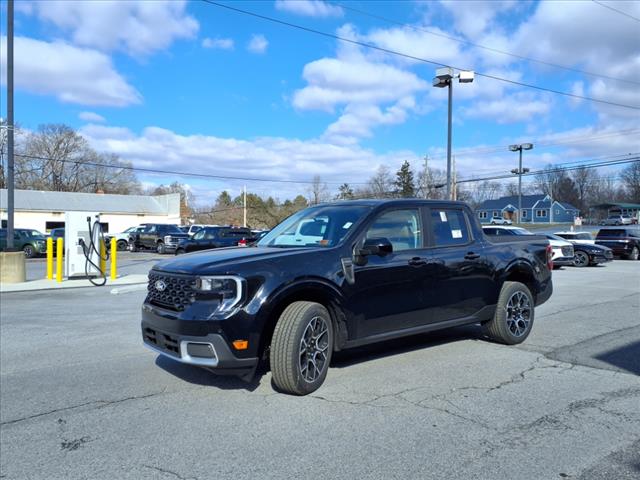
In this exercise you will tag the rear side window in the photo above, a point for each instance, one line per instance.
(612, 233)
(449, 227)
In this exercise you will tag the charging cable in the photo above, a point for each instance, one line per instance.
(88, 250)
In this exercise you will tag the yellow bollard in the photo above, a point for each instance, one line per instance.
(59, 260)
(114, 258)
(103, 257)
(49, 258)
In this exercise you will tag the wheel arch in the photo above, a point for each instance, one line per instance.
(522, 272)
(314, 290)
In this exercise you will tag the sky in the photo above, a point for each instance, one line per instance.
(198, 88)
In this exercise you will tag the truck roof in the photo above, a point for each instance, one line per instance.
(374, 202)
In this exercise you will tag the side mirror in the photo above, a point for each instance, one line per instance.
(376, 246)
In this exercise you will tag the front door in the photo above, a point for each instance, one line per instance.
(387, 294)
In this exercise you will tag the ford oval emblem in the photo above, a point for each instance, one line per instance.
(160, 286)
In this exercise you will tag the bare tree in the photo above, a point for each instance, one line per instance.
(431, 183)
(318, 191)
(585, 181)
(631, 180)
(478, 192)
(381, 184)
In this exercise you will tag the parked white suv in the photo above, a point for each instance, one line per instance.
(500, 221)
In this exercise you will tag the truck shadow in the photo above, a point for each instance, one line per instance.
(399, 346)
(203, 377)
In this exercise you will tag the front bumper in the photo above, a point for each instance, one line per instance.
(563, 261)
(193, 343)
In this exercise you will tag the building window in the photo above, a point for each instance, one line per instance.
(541, 214)
(496, 213)
(524, 214)
(482, 214)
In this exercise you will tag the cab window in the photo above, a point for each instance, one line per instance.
(401, 227)
(449, 227)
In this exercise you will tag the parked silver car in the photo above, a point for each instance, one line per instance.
(617, 220)
(500, 221)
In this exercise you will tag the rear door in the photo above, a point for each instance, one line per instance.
(462, 278)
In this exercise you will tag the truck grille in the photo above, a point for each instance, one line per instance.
(173, 292)
(567, 251)
(161, 340)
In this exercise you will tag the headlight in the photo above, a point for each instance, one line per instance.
(228, 288)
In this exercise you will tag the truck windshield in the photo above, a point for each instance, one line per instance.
(322, 226)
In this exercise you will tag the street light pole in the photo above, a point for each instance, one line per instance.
(10, 161)
(444, 78)
(520, 171)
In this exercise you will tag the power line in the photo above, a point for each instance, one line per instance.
(174, 172)
(616, 10)
(484, 47)
(413, 57)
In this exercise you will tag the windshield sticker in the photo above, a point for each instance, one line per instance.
(456, 233)
(443, 216)
(347, 225)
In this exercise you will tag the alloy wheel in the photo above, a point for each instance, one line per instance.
(313, 349)
(580, 259)
(518, 310)
(28, 251)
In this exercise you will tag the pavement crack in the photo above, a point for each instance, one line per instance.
(169, 472)
(96, 403)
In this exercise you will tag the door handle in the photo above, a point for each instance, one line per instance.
(472, 256)
(417, 262)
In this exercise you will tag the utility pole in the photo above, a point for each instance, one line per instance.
(426, 176)
(10, 164)
(244, 223)
(454, 186)
(520, 171)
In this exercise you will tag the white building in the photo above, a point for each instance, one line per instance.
(43, 211)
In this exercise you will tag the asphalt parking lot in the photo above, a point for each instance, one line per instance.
(81, 398)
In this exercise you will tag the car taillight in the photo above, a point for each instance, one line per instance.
(549, 257)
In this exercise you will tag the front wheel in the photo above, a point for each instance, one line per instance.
(29, 251)
(122, 245)
(634, 254)
(580, 259)
(301, 348)
(160, 247)
(513, 320)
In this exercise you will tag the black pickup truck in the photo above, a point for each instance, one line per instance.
(160, 237)
(359, 272)
(215, 237)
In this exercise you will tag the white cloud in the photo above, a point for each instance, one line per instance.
(257, 44)
(218, 43)
(91, 117)
(519, 107)
(136, 27)
(263, 157)
(309, 8)
(71, 74)
(473, 17)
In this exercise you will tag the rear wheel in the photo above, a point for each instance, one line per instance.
(634, 254)
(301, 348)
(580, 259)
(513, 320)
(180, 251)
(132, 247)
(29, 251)
(122, 245)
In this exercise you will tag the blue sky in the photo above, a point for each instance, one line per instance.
(198, 88)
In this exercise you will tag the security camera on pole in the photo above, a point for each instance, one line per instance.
(520, 171)
(444, 78)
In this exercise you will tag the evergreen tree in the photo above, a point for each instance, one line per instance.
(345, 192)
(405, 187)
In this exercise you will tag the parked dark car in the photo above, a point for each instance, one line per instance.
(368, 271)
(56, 233)
(625, 242)
(31, 242)
(163, 238)
(215, 237)
(585, 251)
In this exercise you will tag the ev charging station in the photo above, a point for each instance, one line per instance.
(82, 236)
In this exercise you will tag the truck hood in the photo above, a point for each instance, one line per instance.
(223, 260)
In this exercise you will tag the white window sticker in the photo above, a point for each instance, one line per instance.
(456, 233)
(347, 225)
(443, 216)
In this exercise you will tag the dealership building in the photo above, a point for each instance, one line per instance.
(43, 211)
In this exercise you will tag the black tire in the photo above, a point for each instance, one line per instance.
(122, 245)
(29, 251)
(580, 259)
(287, 353)
(180, 251)
(160, 247)
(508, 326)
(634, 255)
(132, 247)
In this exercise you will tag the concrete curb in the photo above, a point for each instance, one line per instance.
(128, 289)
(43, 284)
